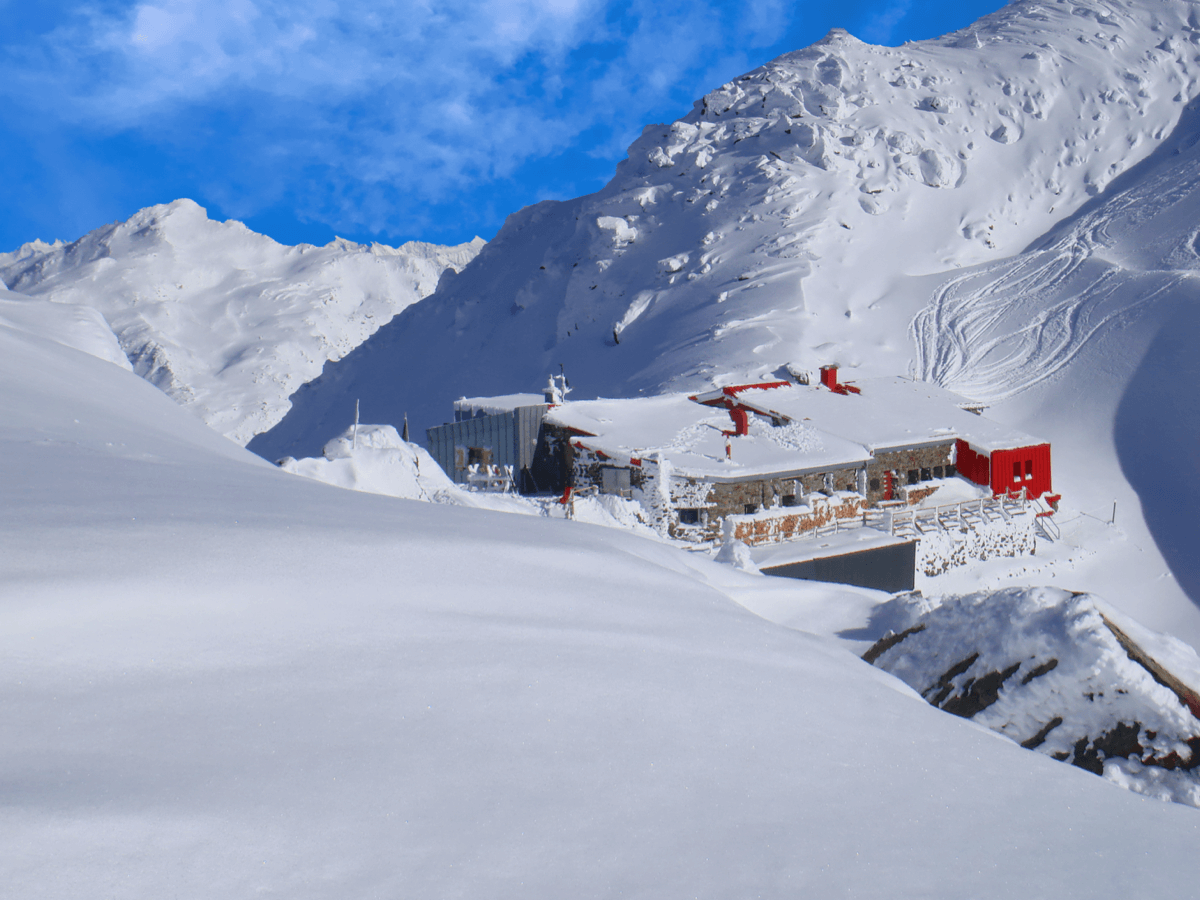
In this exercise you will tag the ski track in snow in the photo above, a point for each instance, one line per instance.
(1002, 328)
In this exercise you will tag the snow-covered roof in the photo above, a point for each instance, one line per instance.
(494, 405)
(821, 429)
(689, 435)
(850, 540)
(886, 413)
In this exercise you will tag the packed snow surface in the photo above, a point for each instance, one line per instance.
(226, 321)
(228, 681)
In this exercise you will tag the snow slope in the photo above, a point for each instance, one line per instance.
(1088, 338)
(222, 680)
(226, 321)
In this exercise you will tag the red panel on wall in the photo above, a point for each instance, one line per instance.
(1023, 467)
(971, 465)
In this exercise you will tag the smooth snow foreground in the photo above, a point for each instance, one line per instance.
(219, 680)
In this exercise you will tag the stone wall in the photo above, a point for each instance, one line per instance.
(940, 550)
(921, 460)
(784, 523)
(733, 499)
(587, 469)
(769, 509)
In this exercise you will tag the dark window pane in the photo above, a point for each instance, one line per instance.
(789, 499)
(913, 476)
(937, 471)
(689, 517)
(751, 508)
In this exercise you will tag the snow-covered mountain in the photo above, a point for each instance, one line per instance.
(786, 217)
(226, 321)
(229, 681)
(1008, 211)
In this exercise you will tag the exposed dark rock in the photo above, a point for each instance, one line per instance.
(979, 693)
(1039, 671)
(1173, 761)
(1087, 758)
(944, 685)
(1040, 738)
(888, 641)
(1121, 741)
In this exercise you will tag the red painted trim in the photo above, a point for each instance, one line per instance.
(735, 389)
(741, 420)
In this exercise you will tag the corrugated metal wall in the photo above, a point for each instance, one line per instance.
(973, 466)
(511, 436)
(1035, 458)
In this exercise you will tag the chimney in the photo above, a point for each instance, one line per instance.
(829, 376)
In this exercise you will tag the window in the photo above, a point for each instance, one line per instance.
(788, 500)
(1028, 469)
(926, 474)
(1017, 470)
(874, 484)
(913, 476)
(614, 480)
(481, 456)
(937, 471)
(751, 508)
(689, 517)
(951, 471)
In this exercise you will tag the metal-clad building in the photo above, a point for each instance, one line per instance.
(495, 431)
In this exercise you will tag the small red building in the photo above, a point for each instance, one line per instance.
(886, 415)
(1008, 469)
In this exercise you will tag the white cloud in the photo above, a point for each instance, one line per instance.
(423, 96)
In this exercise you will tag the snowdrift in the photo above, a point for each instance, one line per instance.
(374, 459)
(1059, 673)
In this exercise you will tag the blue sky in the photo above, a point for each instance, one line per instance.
(390, 121)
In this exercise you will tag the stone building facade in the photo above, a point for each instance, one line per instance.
(761, 510)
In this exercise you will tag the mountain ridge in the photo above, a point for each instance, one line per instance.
(226, 321)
